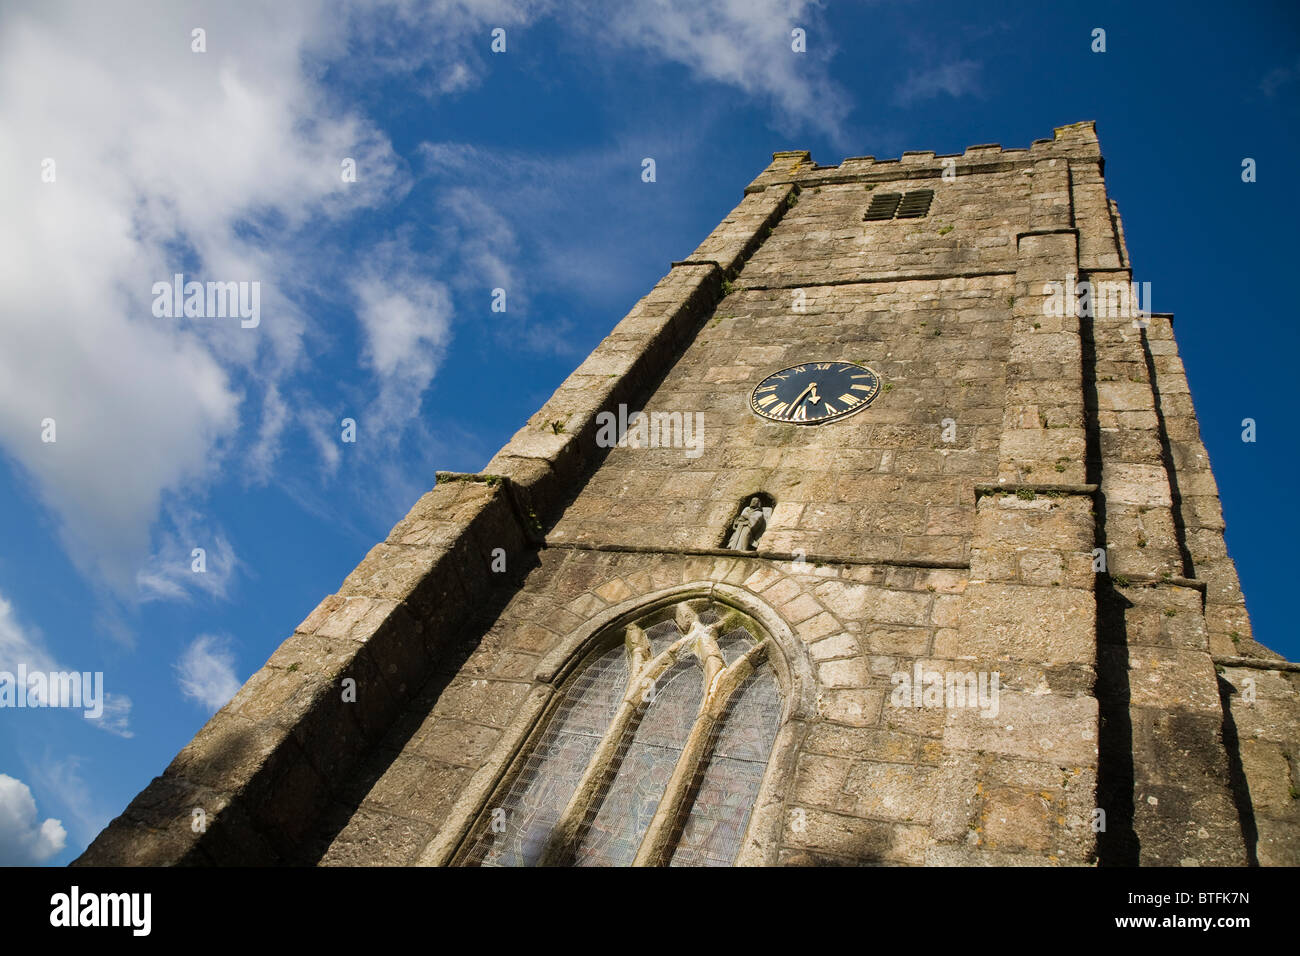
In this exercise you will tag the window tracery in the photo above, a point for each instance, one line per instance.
(653, 754)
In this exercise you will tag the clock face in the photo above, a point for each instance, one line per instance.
(815, 393)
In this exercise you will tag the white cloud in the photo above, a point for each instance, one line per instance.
(406, 320)
(164, 160)
(24, 839)
(206, 672)
(225, 165)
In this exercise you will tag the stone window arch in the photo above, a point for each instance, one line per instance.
(653, 751)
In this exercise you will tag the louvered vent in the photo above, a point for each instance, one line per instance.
(911, 205)
(883, 206)
(915, 204)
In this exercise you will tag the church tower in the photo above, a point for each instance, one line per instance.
(879, 531)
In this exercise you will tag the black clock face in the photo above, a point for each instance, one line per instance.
(815, 393)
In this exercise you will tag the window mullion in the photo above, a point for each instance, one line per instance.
(569, 828)
(656, 846)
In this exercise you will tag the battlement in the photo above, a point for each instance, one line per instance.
(1077, 142)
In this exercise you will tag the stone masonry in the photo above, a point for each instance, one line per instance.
(1138, 720)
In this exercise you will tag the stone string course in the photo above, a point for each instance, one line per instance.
(974, 555)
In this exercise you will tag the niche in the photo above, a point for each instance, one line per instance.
(753, 515)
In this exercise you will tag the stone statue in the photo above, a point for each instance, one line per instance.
(747, 527)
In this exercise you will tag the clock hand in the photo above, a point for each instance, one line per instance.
(798, 410)
(814, 397)
(811, 387)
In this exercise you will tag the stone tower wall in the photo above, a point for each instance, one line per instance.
(888, 548)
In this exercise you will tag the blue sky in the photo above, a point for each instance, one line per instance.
(476, 170)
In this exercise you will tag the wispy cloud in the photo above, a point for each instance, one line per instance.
(498, 227)
(60, 779)
(406, 320)
(19, 645)
(24, 646)
(116, 716)
(175, 572)
(482, 223)
(206, 672)
(956, 78)
(439, 46)
(259, 463)
(1279, 77)
(743, 44)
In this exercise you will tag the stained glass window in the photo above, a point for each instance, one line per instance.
(653, 753)
(729, 781)
(553, 768)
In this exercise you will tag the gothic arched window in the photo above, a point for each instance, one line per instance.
(653, 753)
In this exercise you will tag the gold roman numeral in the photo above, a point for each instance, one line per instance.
(861, 388)
(765, 400)
(779, 409)
(850, 400)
